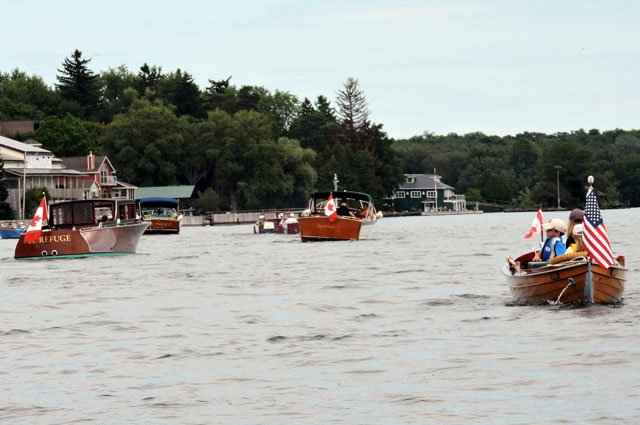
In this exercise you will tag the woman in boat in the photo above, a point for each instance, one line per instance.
(575, 217)
(553, 245)
(576, 237)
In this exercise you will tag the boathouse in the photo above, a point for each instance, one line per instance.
(425, 193)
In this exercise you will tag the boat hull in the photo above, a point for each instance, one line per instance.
(164, 225)
(322, 229)
(565, 283)
(11, 233)
(65, 243)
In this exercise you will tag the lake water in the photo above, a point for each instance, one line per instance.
(218, 325)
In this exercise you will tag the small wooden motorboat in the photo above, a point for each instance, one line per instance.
(568, 278)
(282, 222)
(162, 213)
(85, 228)
(316, 226)
(11, 231)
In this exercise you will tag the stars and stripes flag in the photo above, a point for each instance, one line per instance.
(595, 237)
(536, 225)
(35, 228)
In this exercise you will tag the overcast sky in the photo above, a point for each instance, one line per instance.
(500, 67)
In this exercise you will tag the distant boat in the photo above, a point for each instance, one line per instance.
(11, 231)
(569, 278)
(85, 228)
(316, 226)
(162, 214)
(283, 222)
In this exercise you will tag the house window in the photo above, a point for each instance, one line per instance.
(415, 194)
(448, 193)
(411, 179)
(400, 194)
(431, 194)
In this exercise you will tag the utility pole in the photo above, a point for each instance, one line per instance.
(558, 167)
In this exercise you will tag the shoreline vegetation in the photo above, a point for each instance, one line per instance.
(246, 147)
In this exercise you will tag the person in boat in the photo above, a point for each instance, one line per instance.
(343, 210)
(553, 245)
(260, 221)
(280, 219)
(576, 236)
(364, 211)
(292, 219)
(575, 217)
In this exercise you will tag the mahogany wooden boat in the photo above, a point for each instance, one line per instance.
(85, 228)
(276, 222)
(576, 280)
(162, 214)
(316, 226)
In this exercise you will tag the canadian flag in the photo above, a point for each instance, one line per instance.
(35, 228)
(330, 209)
(536, 225)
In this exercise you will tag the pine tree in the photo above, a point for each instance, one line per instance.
(79, 84)
(148, 78)
(352, 109)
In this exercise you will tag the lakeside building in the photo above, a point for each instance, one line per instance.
(27, 165)
(8, 127)
(422, 192)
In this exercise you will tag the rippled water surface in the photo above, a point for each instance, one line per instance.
(218, 325)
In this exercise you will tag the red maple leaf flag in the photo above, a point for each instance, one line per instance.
(595, 234)
(536, 225)
(35, 228)
(330, 209)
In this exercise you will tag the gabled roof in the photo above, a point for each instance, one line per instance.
(422, 182)
(22, 147)
(80, 163)
(176, 192)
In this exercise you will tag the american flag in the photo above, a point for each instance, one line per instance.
(595, 234)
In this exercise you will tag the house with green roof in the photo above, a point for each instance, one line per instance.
(425, 193)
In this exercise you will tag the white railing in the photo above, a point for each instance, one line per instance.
(108, 180)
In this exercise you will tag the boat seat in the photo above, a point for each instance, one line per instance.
(536, 264)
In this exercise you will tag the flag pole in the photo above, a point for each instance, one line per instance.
(541, 232)
(588, 284)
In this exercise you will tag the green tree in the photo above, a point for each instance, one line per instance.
(33, 197)
(282, 108)
(208, 200)
(77, 83)
(114, 82)
(179, 89)
(67, 136)
(148, 79)
(627, 171)
(24, 97)
(146, 143)
(235, 141)
(220, 95)
(352, 110)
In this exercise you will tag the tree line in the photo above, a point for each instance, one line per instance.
(242, 147)
(521, 169)
(250, 148)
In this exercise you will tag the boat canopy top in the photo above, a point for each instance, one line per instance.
(342, 194)
(158, 202)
